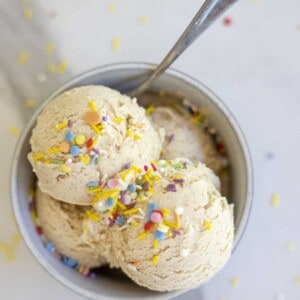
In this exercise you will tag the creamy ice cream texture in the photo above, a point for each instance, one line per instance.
(169, 226)
(88, 133)
(62, 225)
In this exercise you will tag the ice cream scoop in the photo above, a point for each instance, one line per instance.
(62, 225)
(86, 134)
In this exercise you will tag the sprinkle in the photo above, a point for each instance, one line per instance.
(155, 244)
(146, 186)
(70, 262)
(207, 225)
(152, 206)
(111, 8)
(80, 139)
(38, 156)
(85, 159)
(30, 103)
(92, 105)
(116, 44)
(132, 187)
(109, 202)
(92, 183)
(149, 110)
(92, 117)
(159, 235)
(14, 131)
(119, 119)
(275, 200)
(89, 143)
(27, 13)
(75, 150)
(179, 210)
(112, 183)
(144, 20)
(41, 77)
(166, 212)
(61, 67)
(53, 150)
(148, 226)
(227, 21)
(93, 160)
(70, 135)
(130, 211)
(137, 137)
(127, 166)
(104, 118)
(234, 281)
(70, 123)
(128, 133)
(163, 228)
(171, 187)
(178, 180)
(197, 119)
(51, 67)
(142, 236)
(61, 125)
(120, 220)
(50, 247)
(52, 14)
(184, 252)
(155, 259)
(171, 225)
(156, 217)
(121, 205)
(291, 247)
(171, 138)
(64, 147)
(96, 129)
(49, 49)
(153, 167)
(66, 168)
(39, 230)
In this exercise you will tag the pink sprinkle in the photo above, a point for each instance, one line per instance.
(112, 183)
(227, 21)
(52, 14)
(177, 232)
(70, 123)
(156, 217)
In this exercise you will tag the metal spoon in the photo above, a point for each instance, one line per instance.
(208, 13)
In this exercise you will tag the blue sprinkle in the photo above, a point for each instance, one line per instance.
(120, 220)
(152, 206)
(92, 183)
(132, 188)
(104, 118)
(109, 202)
(148, 215)
(159, 235)
(70, 262)
(93, 160)
(50, 247)
(75, 150)
(70, 135)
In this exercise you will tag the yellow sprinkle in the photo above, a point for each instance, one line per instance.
(155, 259)
(291, 247)
(51, 67)
(34, 217)
(27, 13)
(149, 110)
(128, 133)
(49, 49)
(38, 156)
(61, 125)
(112, 8)
(142, 235)
(96, 129)
(80, 139)
(275, 200)
(116, 44)
(144, 20)
(66, 168)
(92, 105)
(197, 119)
(30, 103)
(207, 225)
(47, 161)
(171, 225)
(119, 119)
(94, 190)
(23, 58)
(62, 67)
(297, 279)
(113, 193)
(92, 216)
(155, 244)
(53, 150)
(14, 131)
(130, 211)
(234, 281)
(85, 159)
(166, 212)
(137, 137)
(121, 205)
(134, 223)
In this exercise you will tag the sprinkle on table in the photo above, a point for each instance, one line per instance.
(23, 57)
(235, 281)
(291, 247)
(297, 280)
(275, 200)
(143, 20)
(14, 131)
(112, 8)
(49, 49)
(116, 44)
(227, 21)
(27, 13)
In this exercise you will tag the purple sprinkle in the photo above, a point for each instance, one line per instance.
(92, 275)
(104, 118)
(171, 187)
(270, 155)
(95, 150)
(70, 123)
(171, 138)
(185, 164)
(178, 180)
(127, 166)
(177, 232)
(146, 186)
(122, 194)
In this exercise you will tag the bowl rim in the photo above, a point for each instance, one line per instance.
(122, 66)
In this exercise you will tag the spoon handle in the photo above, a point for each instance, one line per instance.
(208, 13)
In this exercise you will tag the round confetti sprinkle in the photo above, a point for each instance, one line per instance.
(70, 135)
(112, 8)
(23, 58)
(92, 118)
(144, 20)
(156, 217)
(64, 147)
(75, 150)
(50, 247)
(112, 183)
(291, 247)
(179, 210)
(227, 21)
(159, 235)
(104, 118)
(70, 262)
(80, 139)
(120, 220)
(49, 49)
(30, 103)
(275, 200)
(109, 202)
(171, 187)
(14, 131)
(132, 187)
(234, 281)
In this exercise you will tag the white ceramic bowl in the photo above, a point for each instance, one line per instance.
(125, 76)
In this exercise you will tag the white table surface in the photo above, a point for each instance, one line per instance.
(253, 65)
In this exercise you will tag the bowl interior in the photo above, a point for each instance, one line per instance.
(109, 283)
